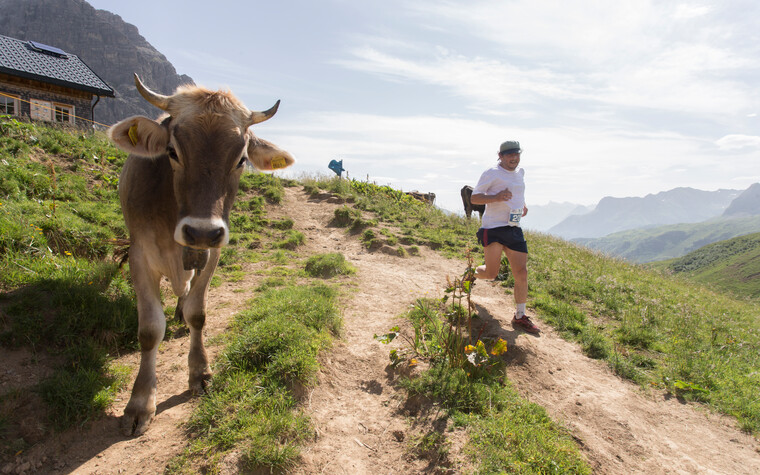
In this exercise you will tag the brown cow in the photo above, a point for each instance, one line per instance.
(467, 202)
(177, 188)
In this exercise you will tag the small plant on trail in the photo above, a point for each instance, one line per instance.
(466, 379)
(443, 332)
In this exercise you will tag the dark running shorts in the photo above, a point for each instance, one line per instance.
(510, 236)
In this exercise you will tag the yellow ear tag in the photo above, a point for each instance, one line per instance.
(278, 162)
(133, 134)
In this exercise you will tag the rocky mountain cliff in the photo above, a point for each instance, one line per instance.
(111, 47)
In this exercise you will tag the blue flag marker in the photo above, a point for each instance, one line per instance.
(336, 166)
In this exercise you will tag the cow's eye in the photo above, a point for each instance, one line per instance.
(242, 161)
(172, 153)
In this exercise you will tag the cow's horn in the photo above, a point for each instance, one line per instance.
(158, 100)
(257, 117)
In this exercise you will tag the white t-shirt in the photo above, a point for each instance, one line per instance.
(502, 213)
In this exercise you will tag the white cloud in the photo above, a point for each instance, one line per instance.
(738, 142)
(633, 55)
(487, 81)
(586, 32)
(688, 11)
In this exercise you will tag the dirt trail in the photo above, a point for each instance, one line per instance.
(361, 424)
(620, 428)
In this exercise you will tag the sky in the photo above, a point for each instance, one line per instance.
(620, 99)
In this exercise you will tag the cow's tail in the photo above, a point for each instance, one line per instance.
(120, 250)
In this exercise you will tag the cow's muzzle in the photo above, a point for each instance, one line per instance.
(201, 233)
(202, 237)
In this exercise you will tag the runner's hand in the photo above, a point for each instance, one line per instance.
(504, 195)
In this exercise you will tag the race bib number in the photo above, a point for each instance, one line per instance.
(514, 217)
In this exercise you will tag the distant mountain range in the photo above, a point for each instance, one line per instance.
(658, 226)
(543, 217)
(111, 47)
(740, 217)
(673, 240)
(679, 205)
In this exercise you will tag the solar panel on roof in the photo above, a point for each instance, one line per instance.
(43, 48)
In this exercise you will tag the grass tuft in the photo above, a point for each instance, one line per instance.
(253, 410)
(328, 265)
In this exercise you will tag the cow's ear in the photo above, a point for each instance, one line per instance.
(267, 156)
(141, 136)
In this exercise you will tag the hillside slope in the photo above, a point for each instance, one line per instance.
(732, 265)
(363, 426)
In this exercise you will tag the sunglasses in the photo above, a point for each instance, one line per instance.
(511, 151)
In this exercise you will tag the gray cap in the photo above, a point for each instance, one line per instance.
(510, 146)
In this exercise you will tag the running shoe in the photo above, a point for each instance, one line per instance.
(525, 324)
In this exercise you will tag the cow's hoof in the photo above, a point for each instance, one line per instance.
(135, 423)
(200, 384)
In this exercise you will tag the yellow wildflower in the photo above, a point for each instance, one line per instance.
(499, 348)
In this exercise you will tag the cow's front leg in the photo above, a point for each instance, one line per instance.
(152, 325)
(194, 313)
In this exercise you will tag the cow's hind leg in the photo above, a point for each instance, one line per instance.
(152, 325)
(194, 313)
